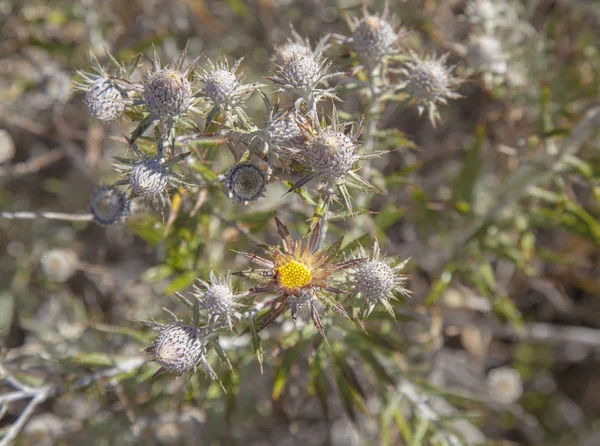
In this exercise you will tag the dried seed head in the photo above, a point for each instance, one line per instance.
(218, 298)
(148, 178)
(430, 82)
(59, 264)
(167, 93)
(331, 154)
(221, 86)
(109, 205)
(485, 54)
(104, 100)
(504, 385)
(374, 37)
(374, 279)
(245, 182)
(178, 348)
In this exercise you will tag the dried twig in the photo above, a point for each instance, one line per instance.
(45, 215)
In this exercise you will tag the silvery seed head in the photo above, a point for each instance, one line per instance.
(245, 182)
(374, 279)
(223, 87)
(378, 280)
(177, 348)
(304, 75)
(374, 37)
(220, 86)
(167, 93)
(429, 82)
(148, 179)
(331, 155)
(217, 300)
(504, 385)
(331, 152)
(109, 206)
(59, 264)
(105, 100)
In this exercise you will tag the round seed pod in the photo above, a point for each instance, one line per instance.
(374, 280)
(178, 348)
(167, 93)
(245, 182)
(331, 155)
(104, 100)
(373, 37)
(109, 206)
(485, 54)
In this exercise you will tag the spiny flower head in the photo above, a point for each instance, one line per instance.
(377, 280)
(298, 274)
(59, 264)
(180, 348)
(217, 299)
(429, 82)
(281, 138)
(306, 75)
(166, 92)
(332, 153)
(151, 177)
(105, 100)
(374, 36)
(504, 385)
(105, 97)
(223, 87)
(109, 205)
(245, 182)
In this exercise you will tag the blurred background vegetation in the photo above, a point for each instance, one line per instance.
(497, 207)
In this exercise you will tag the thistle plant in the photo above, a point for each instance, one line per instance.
(316, 304)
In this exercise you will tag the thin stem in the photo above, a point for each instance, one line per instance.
(45, 215)
(324, 227)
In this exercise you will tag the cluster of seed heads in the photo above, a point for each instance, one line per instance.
(299, 136)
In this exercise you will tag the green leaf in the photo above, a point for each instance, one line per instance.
(464, 186)
(441, 285)
(290, 356)
(182, 281)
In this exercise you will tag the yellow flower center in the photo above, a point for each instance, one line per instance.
(294, 275)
